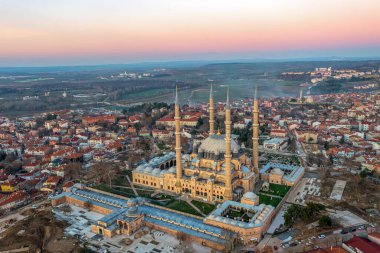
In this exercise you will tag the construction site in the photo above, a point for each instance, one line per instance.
(37, 231)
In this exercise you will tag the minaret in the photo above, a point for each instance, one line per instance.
(227, 155)
(255, 136)
(177, 122)
(211, 108)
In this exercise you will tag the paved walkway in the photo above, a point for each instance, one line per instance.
(133, 188)
(270, 195)
(188, 200)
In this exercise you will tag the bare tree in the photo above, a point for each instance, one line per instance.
(10, 158)
(72, 170)
(88, 205)
(185, 243)
(230, 239)
(105, 172)
(67, 208)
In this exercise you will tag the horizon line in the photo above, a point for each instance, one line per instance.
(210, 61)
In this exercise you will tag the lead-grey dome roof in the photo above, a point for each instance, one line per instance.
(250, 195)
(217, 144)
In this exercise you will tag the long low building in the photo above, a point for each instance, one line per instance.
(127, 215)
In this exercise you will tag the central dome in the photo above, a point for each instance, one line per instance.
(216, 144)
(250, 195)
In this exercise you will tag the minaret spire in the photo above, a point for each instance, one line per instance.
(211, 109)
(228, 98)
(227, 155)
(255, 134)
(177, 123)
(176, 95)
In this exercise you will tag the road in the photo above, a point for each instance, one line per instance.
(331, 239)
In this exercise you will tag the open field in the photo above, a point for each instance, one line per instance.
(102, 85)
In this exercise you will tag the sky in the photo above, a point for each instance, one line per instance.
(76, 32)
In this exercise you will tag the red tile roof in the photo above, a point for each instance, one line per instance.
(328, 250)
(363, 245)
(14, 197)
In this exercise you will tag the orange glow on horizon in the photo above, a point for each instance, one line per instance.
(177, 28)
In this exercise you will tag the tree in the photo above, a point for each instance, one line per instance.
(199, 123)
(105, 172)
(67, 208)
(310, 212)
(10, 158)
(325, 221)
(2, 155)
(185, 243)
(72, 170)
(230, 238)
(88, 205)
(363, 173)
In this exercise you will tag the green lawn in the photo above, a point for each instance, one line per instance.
(273, 201)
(277, 189)
(177, 205)
(120, 180)
(182, 206)
(206, 208)
(234, 214)
(120, 191)
(162, 197)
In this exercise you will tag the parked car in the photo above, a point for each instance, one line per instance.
(285, 245)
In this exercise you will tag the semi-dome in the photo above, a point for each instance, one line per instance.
(140, 168)
(156, 171)
(171, 170)
(148, 169)
(250, 195)
(216, 144)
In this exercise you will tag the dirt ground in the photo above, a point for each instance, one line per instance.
(359, 194)
(41, 232)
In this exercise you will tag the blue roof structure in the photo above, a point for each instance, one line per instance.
(262, 212)
(160, 216)
(295, 171)
(85, 199)
(182, 222)
(275, 140)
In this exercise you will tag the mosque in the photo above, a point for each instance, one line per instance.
(216, 171)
